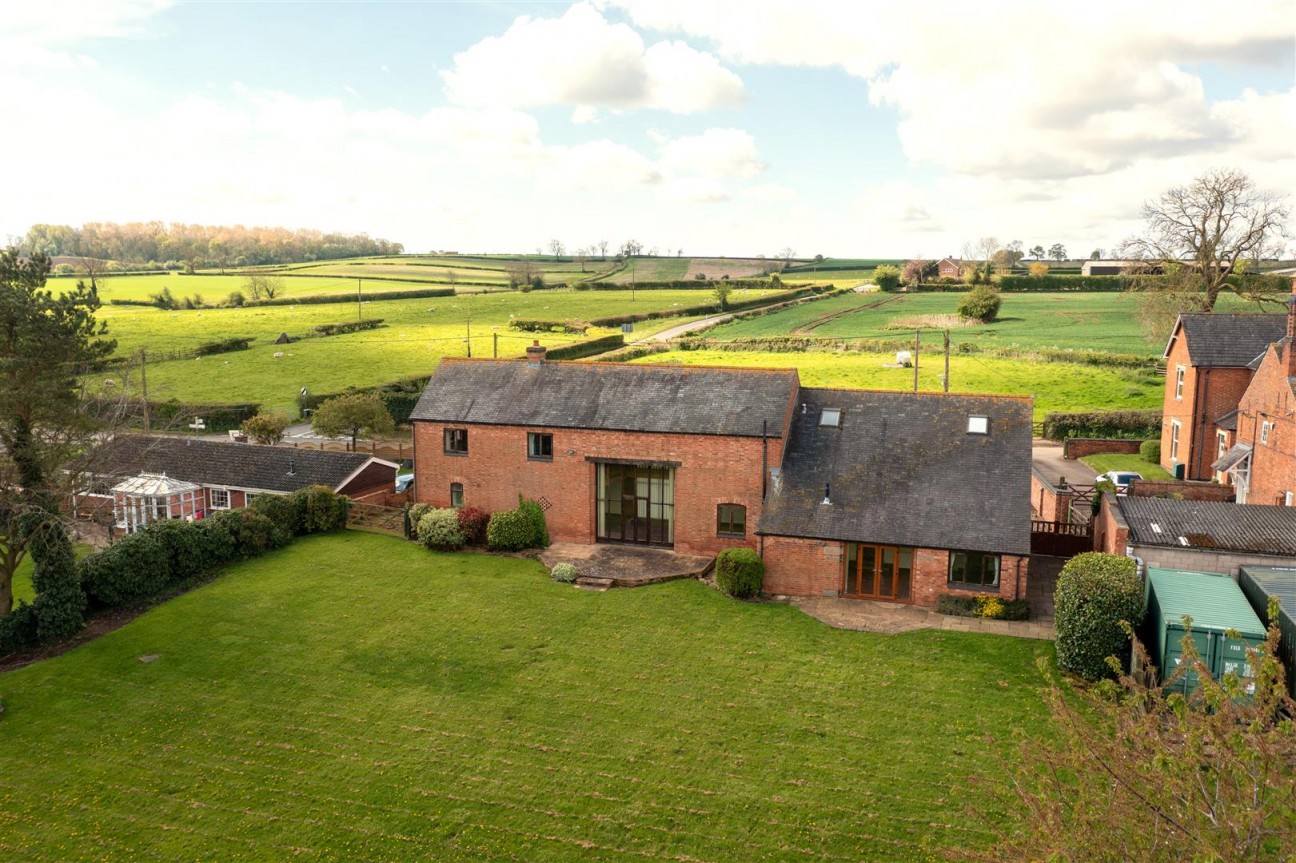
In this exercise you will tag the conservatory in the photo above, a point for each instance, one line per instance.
(155, 497)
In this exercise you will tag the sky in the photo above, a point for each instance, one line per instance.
(701, 127)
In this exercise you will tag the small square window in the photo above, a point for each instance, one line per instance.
(978, 425)
(731, 520)
(456, 495)
(456, 441)
(540, 446)
(830, 417)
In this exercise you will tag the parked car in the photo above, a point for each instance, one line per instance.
(403, 482)
(1119, 478)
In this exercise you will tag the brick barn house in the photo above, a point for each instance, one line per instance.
(144, 478)
(877, 495)
(1209, 364)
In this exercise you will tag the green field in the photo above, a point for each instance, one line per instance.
(841, 278)
(215, 289)
(1055, 386)
(418, 333)
(312, 705)
(1081, 321)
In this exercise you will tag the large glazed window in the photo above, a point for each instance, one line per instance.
(636, 503)
(974, 568)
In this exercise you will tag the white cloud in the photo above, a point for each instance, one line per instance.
(770, 192)
(582, 59)
(715, 154)
(38, 35)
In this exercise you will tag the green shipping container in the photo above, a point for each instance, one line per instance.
(1259, 583)
(1216, 605)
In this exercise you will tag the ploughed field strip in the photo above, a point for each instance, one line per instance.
(317, 704)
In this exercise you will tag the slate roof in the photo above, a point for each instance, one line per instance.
(214, 463)
(904, 470)
(611, 396)
(1229, 341)
(1254, 528)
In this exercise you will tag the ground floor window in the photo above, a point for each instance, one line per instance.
(636, 503)
(456, 495)
(539, 446)
(878, 571)
(218, 498)
(974, 568)
(731, 520)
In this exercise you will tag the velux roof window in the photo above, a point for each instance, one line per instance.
(978, 424)
(831, 417)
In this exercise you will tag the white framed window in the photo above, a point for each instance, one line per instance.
(1287, 499)
(1179, 382)
(1265, 429)
(830, 417)
(978, 425)
(1222, 447)
(1174, 440)
(218, 498)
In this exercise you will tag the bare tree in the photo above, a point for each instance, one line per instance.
(787, 255)
(557, 248)
(261, 286)
(94, 269)
(602, 247)
(582, 255)
(1200, 232)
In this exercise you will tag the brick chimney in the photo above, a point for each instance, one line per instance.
(535, 353)
(1290, 349)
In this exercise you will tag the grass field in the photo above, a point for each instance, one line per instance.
(1055, 386)
(418, 333)
(1083, 321)
(841, 278)
(1120, 461)
(464, 707)
(215, 289)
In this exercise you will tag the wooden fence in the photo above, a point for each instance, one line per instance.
(390, 450)
(376, 519)
(1060, 538)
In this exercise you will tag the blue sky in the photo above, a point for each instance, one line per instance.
(835, 128)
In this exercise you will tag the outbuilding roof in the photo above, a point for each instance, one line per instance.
(214, 463)
(905, 469)
(1227, 340)
(611, 396)
(1255, 528)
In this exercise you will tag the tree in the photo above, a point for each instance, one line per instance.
(602, 247)
(630, 248)
(1009, 256)
(1143, 772)
(721, 291)
(919, 270)
(980, 304)
(46, 342)
(265, 429)
(1096, 255)
(1037, 252)
(523, 273)
(556, 248)
(1203, 230)
(1057, 252)
(887, 277)
(582, 255)
(94, 268)
(352, 414)
(787, 254)
(261, 286)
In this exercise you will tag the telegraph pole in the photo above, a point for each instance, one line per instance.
(947, 349)
(469, 339)
(144, 384)
(917, 333)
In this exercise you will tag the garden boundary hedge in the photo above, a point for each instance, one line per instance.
(677, 285)
(1136, 424)
(580, 350)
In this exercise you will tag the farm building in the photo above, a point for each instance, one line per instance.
(880, 495)
(1209, 364)
(146, 478)
(1207, 536)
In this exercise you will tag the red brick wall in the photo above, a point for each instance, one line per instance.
(1208, 394)
(811, 567)
(1111, 534)
(712, 470)
(1182, 490)
(1082, 446)
(1269, 399)
(1046, 501)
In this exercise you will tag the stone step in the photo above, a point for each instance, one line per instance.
(594, 581)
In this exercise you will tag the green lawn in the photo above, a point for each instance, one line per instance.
(1081, 321)
(1118, 461)
(418, 333)
(464, 707)
(1055, 386)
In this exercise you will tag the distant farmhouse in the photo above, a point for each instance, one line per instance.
(891, 496)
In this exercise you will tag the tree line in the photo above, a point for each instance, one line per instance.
(188, 246)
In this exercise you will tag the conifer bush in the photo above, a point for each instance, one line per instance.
(1095, 592)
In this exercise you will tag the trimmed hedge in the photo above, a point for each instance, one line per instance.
(326, 299)
(134, 567)
(1095, 592)
(739, 572)
(1103, 424)
(1052, 282)
(438, 529)
(1150, 450)
(681, 284)
(224, 346)
(348, 327)
(517, 529)
(593, 347)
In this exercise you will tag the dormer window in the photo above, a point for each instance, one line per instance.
(978, 424)
(831, 417)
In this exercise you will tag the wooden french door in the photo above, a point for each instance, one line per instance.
(878, 572)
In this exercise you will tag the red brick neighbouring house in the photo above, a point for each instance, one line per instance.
(145, 478)
(1261, 464)
(949, 268)
(701, 459)
(1209, 364)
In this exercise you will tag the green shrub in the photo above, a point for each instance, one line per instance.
(516, 529)
(224, 346)
(980, 304)
(1095, 592)
(472, 522)
(253, 533)
(185, 546)
(18, 630)
(438, 529)
(418, 510)
(1150, 450)
(1102, 424)
(887, 277)
(281, 510)
(739, 572)
(60, 600)
(987, 606)
(132, 568)
(319, 509)
(564, 573)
